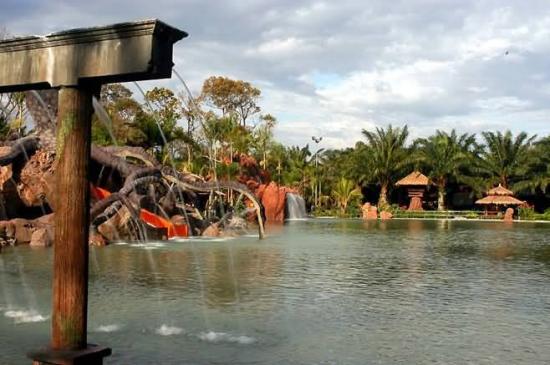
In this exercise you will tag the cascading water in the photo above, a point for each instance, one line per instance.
(295, 207)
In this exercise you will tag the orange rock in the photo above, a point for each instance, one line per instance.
(385, 215)
(369, 211)
(273, 198)
(416, 203)
(509, 215)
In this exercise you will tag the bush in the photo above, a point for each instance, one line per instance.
(471, 215)
(526, 213)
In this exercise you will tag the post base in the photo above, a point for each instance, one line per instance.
(91, 355)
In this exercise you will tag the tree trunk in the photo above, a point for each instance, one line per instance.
(383, 198)
(441, 197)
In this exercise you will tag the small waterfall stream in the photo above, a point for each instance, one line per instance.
(295, 207)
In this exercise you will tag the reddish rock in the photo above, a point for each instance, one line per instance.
(273, 198)
(369, 211)
(509, 215)
(416, 203)
(385, 215)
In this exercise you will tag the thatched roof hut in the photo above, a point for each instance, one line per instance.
(415, 183)
(415, 178)
(499, 196)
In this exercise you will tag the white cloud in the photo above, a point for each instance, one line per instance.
(333, 68)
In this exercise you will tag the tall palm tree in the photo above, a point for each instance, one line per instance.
(388, 156)
(505, 159)
(445, 156)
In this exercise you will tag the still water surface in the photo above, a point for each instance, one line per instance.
(313, 292)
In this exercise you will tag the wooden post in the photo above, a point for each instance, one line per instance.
(70, 278)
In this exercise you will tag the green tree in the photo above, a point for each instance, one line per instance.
(388, 157)
(13, 123)
(537, 177)
(445, 157)
(262, 138)
(505, 158)
(298, 170)
(231, 97)
(119, 121)
(344, 191)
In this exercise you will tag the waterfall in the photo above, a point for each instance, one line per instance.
(295, 207)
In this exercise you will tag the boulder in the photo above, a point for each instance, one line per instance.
(509, 215)
(369, 211)
(41, 237)
(117, 226)
(48, 219)
(96, 239)
(7, 234)
(23, 230)
(384, 215)
(273, 198)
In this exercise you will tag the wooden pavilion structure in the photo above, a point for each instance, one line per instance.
(415, 183)
(498, 196)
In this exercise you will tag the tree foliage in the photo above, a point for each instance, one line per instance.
(445, 157)
(389, 156)
(231, 97)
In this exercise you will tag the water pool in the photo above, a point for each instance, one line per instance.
(314, 292)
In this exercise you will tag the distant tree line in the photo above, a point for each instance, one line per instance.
(204, 134)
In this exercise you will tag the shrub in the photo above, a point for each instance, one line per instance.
(471, 215)
(526, 213)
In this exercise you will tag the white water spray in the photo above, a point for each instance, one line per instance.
(295, 207)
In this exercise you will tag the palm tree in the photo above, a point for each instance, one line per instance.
(388, 156)
(505, 159)
(343, 192)
(298, 166)
(538, 171)
(445, 155)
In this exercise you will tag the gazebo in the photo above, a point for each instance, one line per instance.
(498, 196)
(415, 183)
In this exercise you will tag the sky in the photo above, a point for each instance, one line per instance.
(333, 68)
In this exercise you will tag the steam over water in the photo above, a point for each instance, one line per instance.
(313, 292)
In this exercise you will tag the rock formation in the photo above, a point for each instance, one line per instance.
(369, 211)
(133, 196)
(509, 215)
(273, 198)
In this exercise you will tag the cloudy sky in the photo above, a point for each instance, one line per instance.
(332, 68)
